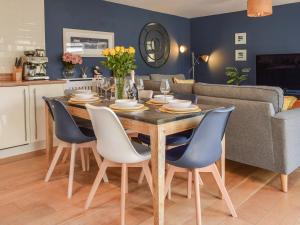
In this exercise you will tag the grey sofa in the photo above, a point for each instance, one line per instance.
(258, 133)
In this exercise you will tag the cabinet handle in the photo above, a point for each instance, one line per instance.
(35, 119)
(25, 113)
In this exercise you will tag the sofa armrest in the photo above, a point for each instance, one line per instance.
(286, 140)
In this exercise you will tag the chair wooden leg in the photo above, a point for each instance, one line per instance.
(169, 178)
(126, 177)
(189, 185)
(148, 175)
(96, 184)
(197, 197)
(88, 160)
(66, 155)
(82, 159)
(223, 190)
(99, 162)
(284, 182)
(54, 162)
(141, 177)
(71, 173)
(123, 192)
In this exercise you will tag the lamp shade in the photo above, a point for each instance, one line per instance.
(259, 8)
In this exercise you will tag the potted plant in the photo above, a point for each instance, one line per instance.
(121, 61)
(70, 61)
(236, 76)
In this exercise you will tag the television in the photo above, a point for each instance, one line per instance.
(282, 70)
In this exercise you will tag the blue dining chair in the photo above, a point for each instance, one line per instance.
(201, 154)
(174, 139)
(69, 135)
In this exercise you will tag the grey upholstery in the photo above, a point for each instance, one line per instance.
(176, 88)
(159, 77)
(258, 133)
(273, 95)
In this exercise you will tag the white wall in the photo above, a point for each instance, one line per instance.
(22, 27)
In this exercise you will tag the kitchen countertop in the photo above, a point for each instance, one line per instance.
(26, 83)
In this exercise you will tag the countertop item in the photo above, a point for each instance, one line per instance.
(26, 83)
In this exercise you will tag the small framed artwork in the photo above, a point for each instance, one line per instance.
(241, 55)
(87, 43)
(241, 38)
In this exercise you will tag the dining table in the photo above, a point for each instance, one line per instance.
(150, 122)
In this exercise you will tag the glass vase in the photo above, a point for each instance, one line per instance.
(68, 73)
(119, 87)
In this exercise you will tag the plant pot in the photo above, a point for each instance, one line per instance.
(119, 87)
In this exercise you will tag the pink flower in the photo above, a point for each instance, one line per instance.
(72, 58)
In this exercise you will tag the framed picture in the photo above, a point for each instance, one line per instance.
(241, 38)
(87, 43)
(241, 55)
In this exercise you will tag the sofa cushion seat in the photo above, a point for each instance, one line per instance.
(160, 77)
(273, 95)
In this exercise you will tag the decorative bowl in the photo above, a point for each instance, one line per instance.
(126, 103)
(83, 95)
(163, 98)
(179, 103)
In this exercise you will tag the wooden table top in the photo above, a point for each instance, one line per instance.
(152, 116)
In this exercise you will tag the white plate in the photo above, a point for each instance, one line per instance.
(190, 108)
(180, 103)
(126, 103)
(84, 100)
(163, 99)
(136, 107)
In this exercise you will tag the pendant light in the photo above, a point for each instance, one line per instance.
(259, 8)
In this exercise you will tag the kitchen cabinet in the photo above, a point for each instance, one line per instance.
(14, 116)
(22, 113)
(37, 108)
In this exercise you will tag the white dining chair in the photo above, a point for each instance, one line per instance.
(117, 150)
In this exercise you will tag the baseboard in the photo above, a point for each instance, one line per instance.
(22, 149)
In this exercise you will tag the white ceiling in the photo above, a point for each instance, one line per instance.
(193, 8)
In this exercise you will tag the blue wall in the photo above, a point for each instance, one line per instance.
(214, 35)
(126, 22)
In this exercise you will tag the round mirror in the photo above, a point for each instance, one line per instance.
(154, 44)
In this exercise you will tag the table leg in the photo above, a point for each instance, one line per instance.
(158, 142)
(49, 134)
(221, 164)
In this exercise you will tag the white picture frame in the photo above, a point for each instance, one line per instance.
(241, 38)
(87, 43)
(241, 55)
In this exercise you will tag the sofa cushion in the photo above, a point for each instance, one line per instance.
(144, 77)
(270, 94)
(176, 88)
(179, 81)
(159, 77)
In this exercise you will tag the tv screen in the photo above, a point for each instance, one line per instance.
(281, 70)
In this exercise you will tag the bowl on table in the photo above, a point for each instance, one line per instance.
(126, 103)
(163, 98)
(83, 96)
(181, 104)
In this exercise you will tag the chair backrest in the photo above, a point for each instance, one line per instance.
(192, 97)
(47, 100)
(66, 128)
(112, 141)
(205, 146)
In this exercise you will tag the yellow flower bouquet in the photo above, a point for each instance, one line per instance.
(121, 61)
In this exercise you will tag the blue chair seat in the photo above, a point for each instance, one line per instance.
(174, 154)
(171, 140)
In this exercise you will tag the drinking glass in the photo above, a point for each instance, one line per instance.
(128, 87)
(165, 87)
(106, 86)
(140, 86)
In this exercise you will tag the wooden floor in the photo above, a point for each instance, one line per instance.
(25, 199)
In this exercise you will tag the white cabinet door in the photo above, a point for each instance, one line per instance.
(14, 116)
(37, 108)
